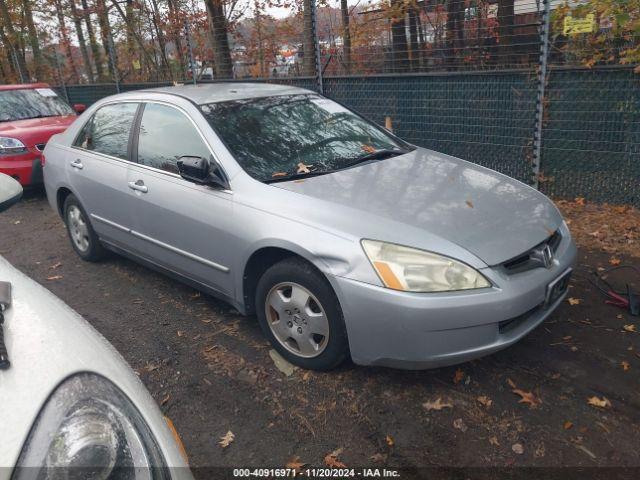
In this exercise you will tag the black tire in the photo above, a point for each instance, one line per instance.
(304, 274)
(94, 251)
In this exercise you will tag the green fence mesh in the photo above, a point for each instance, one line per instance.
(591, 134)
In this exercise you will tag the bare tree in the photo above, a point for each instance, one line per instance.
(11, 39)
(346, 35)
(220, 40)
(33, 40)
(95, 48)
(77, 22)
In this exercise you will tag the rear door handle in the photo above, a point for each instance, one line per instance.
(138, 186)
(77, 163)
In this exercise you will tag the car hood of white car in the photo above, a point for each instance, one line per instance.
(48, 342)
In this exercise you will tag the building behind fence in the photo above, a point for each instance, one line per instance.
(517, 99)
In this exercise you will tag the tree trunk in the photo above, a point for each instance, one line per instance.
(308, 41)
(95, 48)
(175, 28)
(455, 31)
(346, 36)
(105, 35)
(221, 52)
(66, 42)
(505, 32)
(81, 41)
(399, 37)
(162, 43)
(10, 38)
(33, 40)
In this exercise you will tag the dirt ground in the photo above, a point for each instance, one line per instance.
(210, 371)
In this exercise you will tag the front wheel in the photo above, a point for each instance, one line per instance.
(301, 316)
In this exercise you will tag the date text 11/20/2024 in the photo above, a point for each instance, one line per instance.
(316, 472)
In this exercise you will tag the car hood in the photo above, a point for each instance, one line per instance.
(47, 343)
(36, 130)
(489, 214)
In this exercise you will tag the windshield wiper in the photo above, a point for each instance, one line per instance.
(377, 155)
(295, 176)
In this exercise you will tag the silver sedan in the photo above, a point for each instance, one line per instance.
(343, 239)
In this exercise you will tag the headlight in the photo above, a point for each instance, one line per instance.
(11, 146)
(413, 270)
(89, 429)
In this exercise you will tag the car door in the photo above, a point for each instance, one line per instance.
(186, 226)
(98, 167)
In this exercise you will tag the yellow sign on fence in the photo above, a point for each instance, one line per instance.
(579, 25)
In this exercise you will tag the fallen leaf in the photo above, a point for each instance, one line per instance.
(295, 463)
(574, 301)
(630, 327)
(614, 261)
(437, 404)
(494, 441)
(55, 277)
(579, 201)
(55, 265)
(302, 168)
(390, 441)
(484, 400)
(378, 457)
(227, 439)
(510, 383)
(625, 365)
(517, 448)
(599, 402)
(165, 400)
(180, 333)
(459, 375)
(459, 424)
(527, 397)
(567, 425)
(17, 222)
(331, 459)
(469, 203)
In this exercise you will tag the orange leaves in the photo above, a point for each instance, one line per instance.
(574, 301)
(331, 459)
(599, 402)
(436, 404)
(525, 397)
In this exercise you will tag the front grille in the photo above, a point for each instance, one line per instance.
(40, 146)
(531, 259)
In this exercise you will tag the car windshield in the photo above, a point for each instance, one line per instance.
(281, 136)
(31, 103)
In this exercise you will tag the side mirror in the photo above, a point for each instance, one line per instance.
(10, 191)
(198, 170)
(79, 107)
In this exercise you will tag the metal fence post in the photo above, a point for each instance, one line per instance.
(316, 41)
(542, 84)
(190, 47)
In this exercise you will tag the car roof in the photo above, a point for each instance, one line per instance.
(204, 93)
(23, 86)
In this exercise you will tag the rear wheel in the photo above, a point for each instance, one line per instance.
(301, 316)
(83, 239)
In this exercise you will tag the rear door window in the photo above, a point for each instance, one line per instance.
(107, 132)
(165, 135)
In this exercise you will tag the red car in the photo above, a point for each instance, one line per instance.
(29, 115)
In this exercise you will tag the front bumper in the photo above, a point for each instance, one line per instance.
(414, 331)
(25, 168)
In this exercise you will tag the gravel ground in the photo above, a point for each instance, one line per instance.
(210, 371)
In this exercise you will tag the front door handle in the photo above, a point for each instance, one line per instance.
(77, 163)
(138, 186)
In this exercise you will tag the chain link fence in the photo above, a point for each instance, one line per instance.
(496, 82)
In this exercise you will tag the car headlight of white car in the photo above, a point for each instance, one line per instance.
(89, 429)
(413, 270)
(11, 146)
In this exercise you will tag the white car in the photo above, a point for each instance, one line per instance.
(70, 406)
